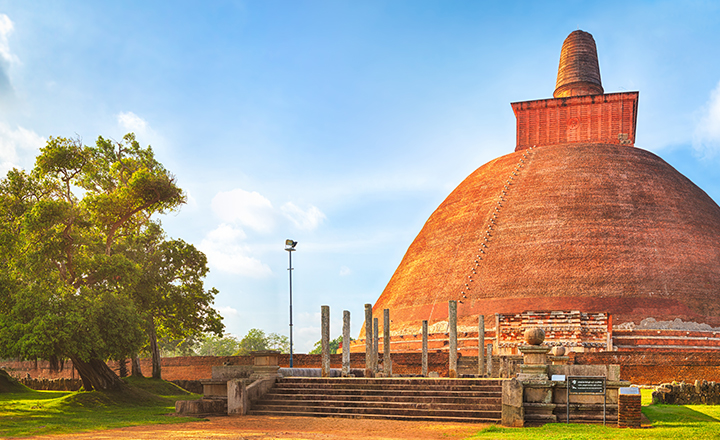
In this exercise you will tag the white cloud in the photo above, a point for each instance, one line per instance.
(227, 311)
(345, 271)
(6, 27)
(249, 209)
(132, 122)
(706, 139)
(18, 147)
(226, 253)
(304, 220)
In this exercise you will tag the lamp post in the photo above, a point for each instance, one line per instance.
(290, 247)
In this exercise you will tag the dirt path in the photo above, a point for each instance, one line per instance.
(280, 428)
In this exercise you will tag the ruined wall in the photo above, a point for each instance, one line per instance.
(701, 392)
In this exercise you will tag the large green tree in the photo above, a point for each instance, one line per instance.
(170, 291)
(69, 285)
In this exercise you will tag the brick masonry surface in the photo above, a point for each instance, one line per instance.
(642, 368)
(629, 414)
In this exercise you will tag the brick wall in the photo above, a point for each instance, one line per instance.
(200, 367)
(639, 367)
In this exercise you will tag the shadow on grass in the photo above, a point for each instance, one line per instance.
(46, 412)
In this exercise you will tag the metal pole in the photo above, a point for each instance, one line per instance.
(290, 269)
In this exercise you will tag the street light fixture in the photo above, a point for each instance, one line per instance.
(290, 247)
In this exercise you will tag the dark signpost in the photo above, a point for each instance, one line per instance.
(586, 385)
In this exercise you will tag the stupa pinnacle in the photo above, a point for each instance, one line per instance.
(579, 71)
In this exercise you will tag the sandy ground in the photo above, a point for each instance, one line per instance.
(280, 428)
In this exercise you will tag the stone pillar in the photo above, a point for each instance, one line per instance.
(325, 340)
(237, 397)
(368, 341)
(376, 352)
(481, 345)
(489, 360)
(424, 348)
(346, 344)
(513, 412)
(452, 324)
(387, 362)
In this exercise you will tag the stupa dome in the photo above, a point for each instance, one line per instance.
(576, 218)
(596, 228)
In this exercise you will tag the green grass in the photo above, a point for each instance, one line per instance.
(144, 402)
(668, 422)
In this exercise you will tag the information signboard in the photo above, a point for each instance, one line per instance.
(586, 385)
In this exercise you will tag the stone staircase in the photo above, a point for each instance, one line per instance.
(452, 400)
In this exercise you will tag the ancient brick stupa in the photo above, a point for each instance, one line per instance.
(575, 219)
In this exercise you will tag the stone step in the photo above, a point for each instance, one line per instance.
(414, 393)
(476, 400)
(470, 406)
(416, 418)
(395, 381)
(333, 410)
(359, 386)
(432, 398)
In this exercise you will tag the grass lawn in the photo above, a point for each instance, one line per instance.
(668, 421)
(146, 401)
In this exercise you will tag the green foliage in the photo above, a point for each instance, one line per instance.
(256, 340)
(144, 402)
(212, 345)
(84, 273)
(334, 346)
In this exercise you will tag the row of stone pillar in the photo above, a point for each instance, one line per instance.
(371, 343)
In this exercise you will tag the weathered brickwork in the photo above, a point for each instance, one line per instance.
(572, 329)
(595, 228)
(603, 119)
(629, 414)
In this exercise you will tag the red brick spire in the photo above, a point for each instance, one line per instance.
(579, 71)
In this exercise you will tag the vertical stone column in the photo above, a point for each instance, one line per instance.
(489, 360)
(368, 341)
(346, 344)
(387, 362)
(376, 352)
(325, 341)
(425, 348)
(481, 345)
(452, 324)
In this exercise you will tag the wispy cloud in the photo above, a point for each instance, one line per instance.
(706, 139)
(305, 220)
(345, 271)
(18, 147)
(227, 311)
(132, 122)
(226, 253)
(7, 58)
(246, 208)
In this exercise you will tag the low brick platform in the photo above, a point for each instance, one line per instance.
(450, 400)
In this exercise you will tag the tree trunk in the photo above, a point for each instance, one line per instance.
(154, 349)
(96, 375)
(136, 371)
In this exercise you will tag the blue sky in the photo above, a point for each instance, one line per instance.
(340, 124)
